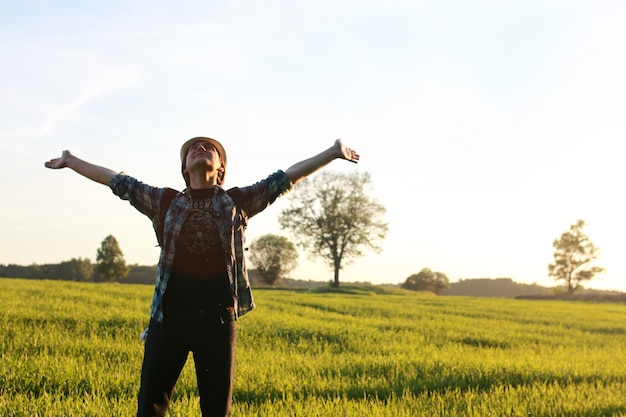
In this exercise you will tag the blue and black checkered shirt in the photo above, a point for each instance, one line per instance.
(231, 219)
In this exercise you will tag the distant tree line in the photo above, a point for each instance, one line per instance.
(76, 270)
(110, 266)
(495, 287)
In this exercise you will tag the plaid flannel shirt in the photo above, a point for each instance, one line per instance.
(231, 221)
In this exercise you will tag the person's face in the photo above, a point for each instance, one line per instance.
(203, 154)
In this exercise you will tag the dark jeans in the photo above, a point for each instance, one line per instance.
(212, 337)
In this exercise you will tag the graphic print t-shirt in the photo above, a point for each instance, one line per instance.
(199, 275)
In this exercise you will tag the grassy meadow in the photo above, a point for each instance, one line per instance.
(73, 349)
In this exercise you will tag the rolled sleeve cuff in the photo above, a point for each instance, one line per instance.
(120, 183)
(281, 182)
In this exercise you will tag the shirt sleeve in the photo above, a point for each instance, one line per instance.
(143, 197)
(257, 197)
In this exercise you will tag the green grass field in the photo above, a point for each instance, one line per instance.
(72, 349)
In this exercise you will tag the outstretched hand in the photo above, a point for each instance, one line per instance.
(346, 153)
(58, 163)
(86, 169)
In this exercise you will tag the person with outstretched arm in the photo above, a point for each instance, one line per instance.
(202, 285)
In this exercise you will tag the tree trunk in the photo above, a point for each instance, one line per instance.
(337, 265)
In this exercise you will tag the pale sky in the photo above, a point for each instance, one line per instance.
(488, 127)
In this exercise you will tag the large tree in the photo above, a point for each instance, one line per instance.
(110, 260)
(333, 216)
(574, 255)
(427, 280)
(274, 257)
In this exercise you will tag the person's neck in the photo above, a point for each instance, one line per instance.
(202, 183)
(201, 186)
